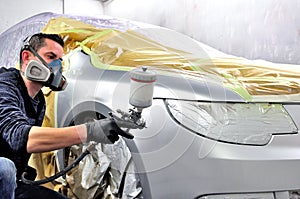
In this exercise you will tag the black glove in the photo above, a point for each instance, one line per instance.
(104, 131)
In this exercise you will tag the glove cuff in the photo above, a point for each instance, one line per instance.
(87, 132)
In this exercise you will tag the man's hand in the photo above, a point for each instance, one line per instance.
(104, 131)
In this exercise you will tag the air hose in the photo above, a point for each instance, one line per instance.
(57, 175)
(71, 166)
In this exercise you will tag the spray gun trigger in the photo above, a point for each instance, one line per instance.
(121, 124)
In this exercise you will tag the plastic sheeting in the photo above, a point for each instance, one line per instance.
(239, 123)
(100, 173)
(121, 44)
(121, 50)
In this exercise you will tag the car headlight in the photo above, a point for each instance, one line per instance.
(238, 123)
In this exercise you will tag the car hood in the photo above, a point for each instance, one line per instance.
(119, 44)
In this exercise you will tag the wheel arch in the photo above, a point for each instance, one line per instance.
(97, 110)
(84, 108)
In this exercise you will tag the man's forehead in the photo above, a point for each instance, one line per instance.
(52, 48)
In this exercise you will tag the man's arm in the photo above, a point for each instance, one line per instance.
(42, 139)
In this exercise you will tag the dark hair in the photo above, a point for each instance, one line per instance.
(37, 41)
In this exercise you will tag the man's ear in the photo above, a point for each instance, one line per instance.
(26, 57)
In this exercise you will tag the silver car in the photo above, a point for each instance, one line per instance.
(217, 126)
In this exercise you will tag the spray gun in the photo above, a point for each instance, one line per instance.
(141, 94)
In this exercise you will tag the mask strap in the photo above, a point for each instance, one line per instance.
(37, 55)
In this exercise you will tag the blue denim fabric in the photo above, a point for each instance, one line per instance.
(8, 174)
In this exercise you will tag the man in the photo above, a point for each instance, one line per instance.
(22, 108)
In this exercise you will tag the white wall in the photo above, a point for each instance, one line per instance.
(14, 11)
(83, 7)
(255, 29)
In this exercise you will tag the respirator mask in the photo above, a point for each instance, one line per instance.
(48, 74)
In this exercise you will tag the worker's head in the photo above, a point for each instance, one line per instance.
(41, 60)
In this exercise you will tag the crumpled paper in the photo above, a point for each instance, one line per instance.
(102, 171)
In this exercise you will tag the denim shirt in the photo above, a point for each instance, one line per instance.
(18, 113)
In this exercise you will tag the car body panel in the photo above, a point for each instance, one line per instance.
(224, 167)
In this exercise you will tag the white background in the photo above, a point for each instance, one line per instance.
(255, 29)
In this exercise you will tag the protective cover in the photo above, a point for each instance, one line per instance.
(121, 44)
